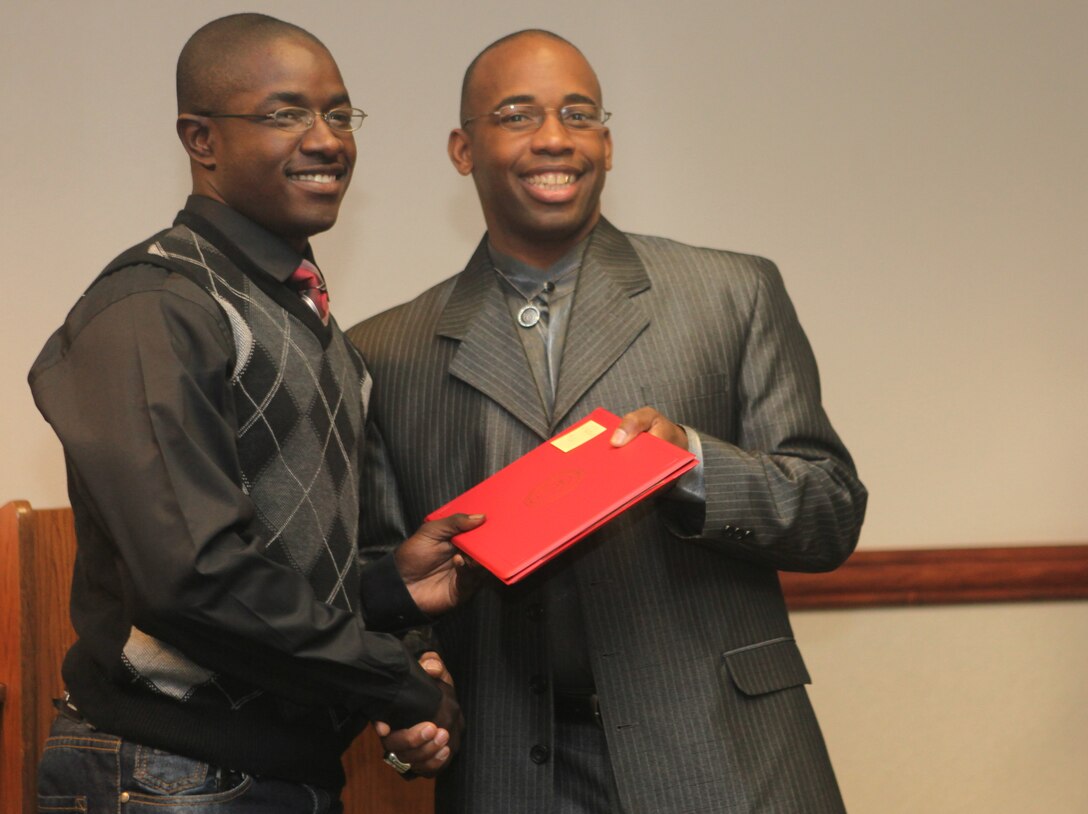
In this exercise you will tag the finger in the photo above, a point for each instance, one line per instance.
(437, 670)
(444, 528)
(432, 664)
(462, 560)
(404, 740)
(434, 668)
(667, 431)
(439, 738)
(423, 752)
(466, 522)
(382, 728)
(632, 424)
(432, 766)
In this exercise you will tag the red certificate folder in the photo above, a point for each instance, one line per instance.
(559, 492)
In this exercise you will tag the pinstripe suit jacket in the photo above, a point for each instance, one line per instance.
(700, 681)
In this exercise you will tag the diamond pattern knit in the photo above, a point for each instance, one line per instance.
(301, 408)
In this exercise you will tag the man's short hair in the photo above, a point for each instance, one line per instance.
(471, 69)
(208, 66)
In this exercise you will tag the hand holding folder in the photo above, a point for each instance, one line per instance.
(558, 493)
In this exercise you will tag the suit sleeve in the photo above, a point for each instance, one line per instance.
(140, 397)
(785, 493)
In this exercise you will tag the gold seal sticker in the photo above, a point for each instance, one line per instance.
(578, 436)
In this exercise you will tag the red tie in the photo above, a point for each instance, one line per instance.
(307, 280)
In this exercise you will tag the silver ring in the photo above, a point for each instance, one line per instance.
(399, 766)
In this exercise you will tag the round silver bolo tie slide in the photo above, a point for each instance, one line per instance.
(528, 316)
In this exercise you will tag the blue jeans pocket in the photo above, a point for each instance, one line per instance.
(86, 771)
(165, 779)
(77, 766)
(165, 773)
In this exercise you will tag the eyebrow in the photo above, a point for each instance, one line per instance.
(298, 100)
(578, 98)
(529, 99)
(523, 99)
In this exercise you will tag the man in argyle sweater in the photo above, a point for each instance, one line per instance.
(230, 643)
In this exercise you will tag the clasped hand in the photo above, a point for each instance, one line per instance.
(428, 745)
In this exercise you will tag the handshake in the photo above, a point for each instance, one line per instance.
(425, 749)
(438, 577)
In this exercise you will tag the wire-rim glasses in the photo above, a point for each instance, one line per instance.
(300, 119)
(530, 118)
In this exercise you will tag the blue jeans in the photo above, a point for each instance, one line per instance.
(89, 771)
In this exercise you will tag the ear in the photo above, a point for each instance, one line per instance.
(196, 137)
(460, 150)
(607, 149)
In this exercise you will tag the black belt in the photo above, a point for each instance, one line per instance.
(226, 779)
(66, 708)
(578, 706)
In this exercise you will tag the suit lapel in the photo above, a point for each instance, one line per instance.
(605, 319)
(490, 357)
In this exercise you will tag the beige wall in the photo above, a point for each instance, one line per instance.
(955, 710)
(917, 170)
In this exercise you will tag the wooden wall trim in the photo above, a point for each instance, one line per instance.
(944, 576)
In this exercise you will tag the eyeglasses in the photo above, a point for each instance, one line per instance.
(300, 119)
(530, 118)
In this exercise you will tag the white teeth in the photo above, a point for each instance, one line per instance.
(551, 179)
(321, 178)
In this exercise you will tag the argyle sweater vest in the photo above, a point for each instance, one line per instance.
(301, 408)
(300, 414)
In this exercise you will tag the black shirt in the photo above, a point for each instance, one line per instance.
(136, 384)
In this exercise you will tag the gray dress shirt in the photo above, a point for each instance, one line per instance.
(551, 292)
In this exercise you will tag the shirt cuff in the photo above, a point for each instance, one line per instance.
(691, 486)
(417, 700)
(387, 605)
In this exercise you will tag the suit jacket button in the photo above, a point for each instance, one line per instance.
(535, 612)
(540, 753)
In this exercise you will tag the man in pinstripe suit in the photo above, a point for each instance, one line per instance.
(652, 668)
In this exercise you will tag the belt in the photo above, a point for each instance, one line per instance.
(226, 779)
(66, 708)
(578, 706)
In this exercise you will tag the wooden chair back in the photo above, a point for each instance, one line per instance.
(37, 551)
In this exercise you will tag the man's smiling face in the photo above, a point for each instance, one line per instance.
(540, 190)
(289, 183)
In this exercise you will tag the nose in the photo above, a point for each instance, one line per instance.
(322, 139)
(553, 137)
